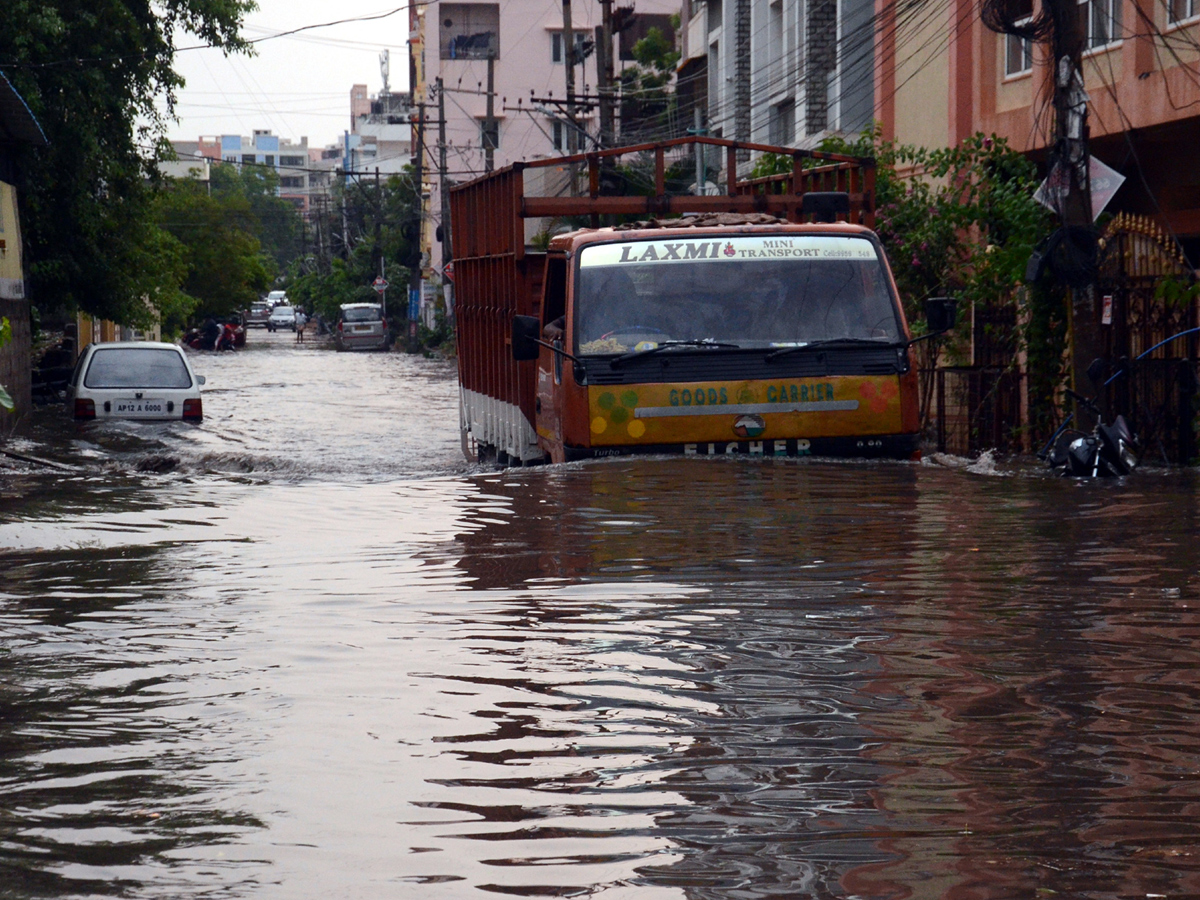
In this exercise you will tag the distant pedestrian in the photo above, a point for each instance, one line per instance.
(301, 321)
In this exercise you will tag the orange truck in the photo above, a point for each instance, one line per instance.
(718, 324)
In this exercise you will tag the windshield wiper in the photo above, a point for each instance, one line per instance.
(831, 342)
(667, 345)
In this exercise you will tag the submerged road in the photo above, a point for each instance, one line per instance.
(304, 650)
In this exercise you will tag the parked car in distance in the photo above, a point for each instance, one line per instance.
(134, 380)
(257, 314)
(282, 317)
(277, 298)
(361, 326)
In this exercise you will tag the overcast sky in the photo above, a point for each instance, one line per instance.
(295, 86)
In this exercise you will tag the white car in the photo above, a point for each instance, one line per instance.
(361, 326)
(282, 317)
(134, 380)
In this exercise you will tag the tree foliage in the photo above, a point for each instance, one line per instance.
(224, 265)
(91, 72)
(647, 96)
(275, 221)
(379, 222)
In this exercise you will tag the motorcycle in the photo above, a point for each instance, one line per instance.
(1109, 450)
(226, 339)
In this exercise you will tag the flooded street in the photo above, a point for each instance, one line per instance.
(305, 650)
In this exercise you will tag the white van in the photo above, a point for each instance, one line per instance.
(277, 298)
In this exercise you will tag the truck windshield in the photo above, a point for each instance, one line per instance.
(753, 291)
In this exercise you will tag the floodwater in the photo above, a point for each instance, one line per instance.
(303, 650)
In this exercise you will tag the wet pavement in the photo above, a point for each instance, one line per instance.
(304, 650)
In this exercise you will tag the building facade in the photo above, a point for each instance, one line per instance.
(18, 128)
(288, 159)
(787, 72)
(381, 132)
(1141, 70)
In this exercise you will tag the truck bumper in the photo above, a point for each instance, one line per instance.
(881, 446)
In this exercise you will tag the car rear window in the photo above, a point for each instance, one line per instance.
(361, 314)
(137, 367)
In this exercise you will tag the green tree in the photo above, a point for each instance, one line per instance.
(377, 222)
(647, 93)
(274, 221)
(92, 72)
(224, 268)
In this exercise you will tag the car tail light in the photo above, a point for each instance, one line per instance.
(385, 324)
(339, 324)
(193, 409)
(84, 409)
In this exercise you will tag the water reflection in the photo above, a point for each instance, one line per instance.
(652, 678)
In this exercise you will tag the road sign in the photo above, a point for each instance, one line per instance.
(380, 284)
(1052, 193)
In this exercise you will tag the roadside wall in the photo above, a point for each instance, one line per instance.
(15, 364)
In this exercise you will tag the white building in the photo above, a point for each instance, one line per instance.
(381, 132)
(454, 41)
(289, 160)
(786, 72)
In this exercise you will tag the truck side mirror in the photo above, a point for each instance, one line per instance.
(525, 331)
(941, 313)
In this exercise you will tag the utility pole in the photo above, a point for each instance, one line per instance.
(444, 194)
(741, 87)
(604, 74)
(414, 287)
(568, 39)
(1069, 161)
(489, 127)
(698, 130)
(379, 239)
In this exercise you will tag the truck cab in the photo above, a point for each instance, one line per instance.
(757, 339)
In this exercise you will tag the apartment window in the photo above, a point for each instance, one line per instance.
(291, 181)
(775, 41)
(1018, 54)
(556, 46)
(558, 135)
(489, 137)
(270, 159)
(1181, 10)
(781, 126)
(291, 160)
(248, 159)
(469, 30)
(1101, 22)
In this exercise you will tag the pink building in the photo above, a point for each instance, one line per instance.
(453, 41)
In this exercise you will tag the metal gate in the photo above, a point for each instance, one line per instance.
(1147, 294)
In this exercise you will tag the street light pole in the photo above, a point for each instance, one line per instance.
(414, 290)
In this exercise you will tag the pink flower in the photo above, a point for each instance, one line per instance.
(916, 262)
